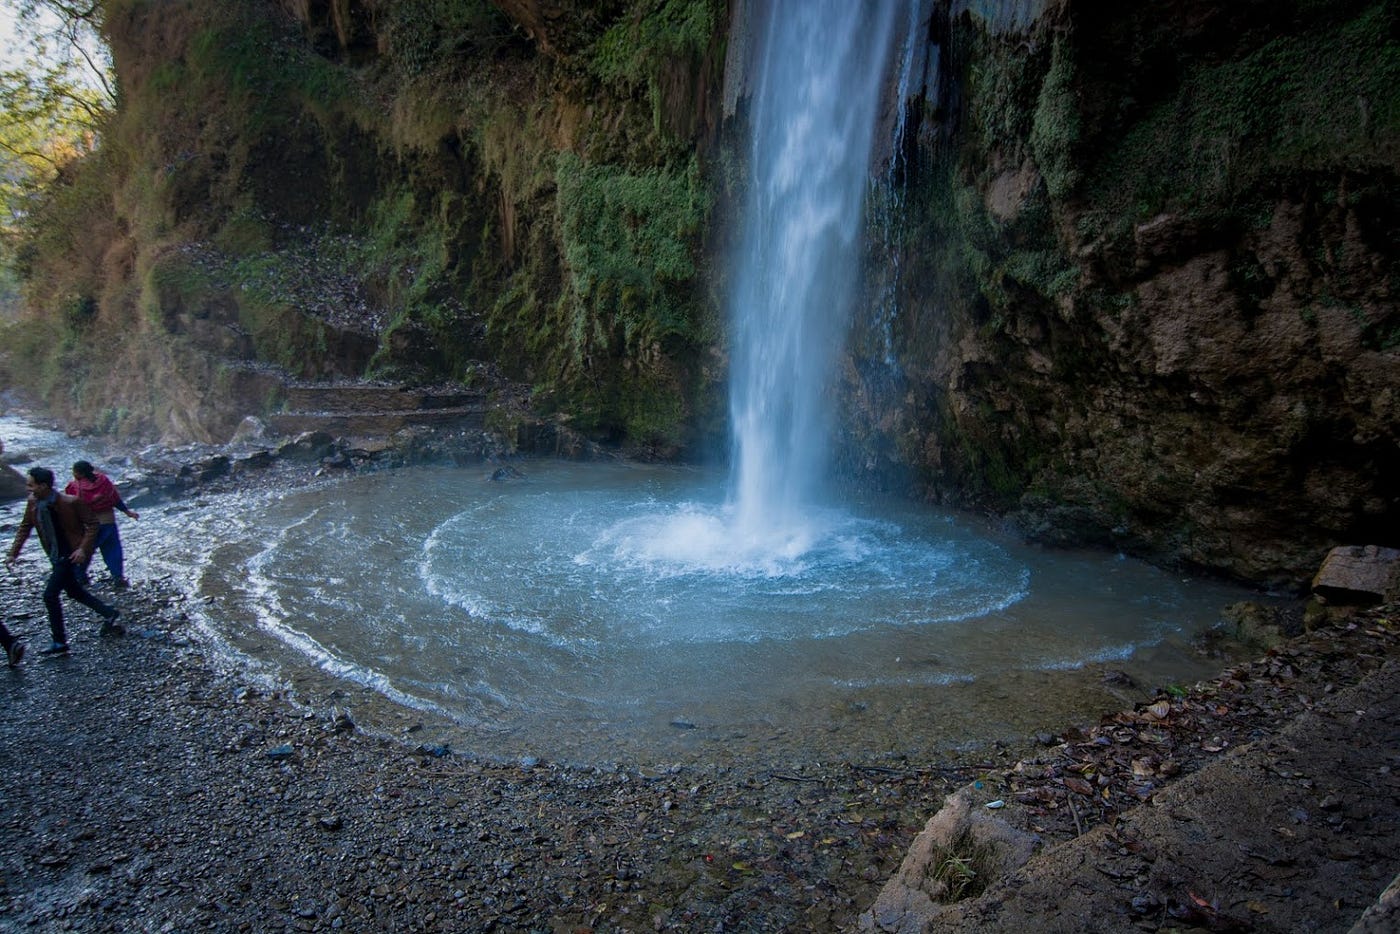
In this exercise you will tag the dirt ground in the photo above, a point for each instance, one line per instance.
(1268, 800)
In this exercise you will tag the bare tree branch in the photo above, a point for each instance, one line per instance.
(29, 154)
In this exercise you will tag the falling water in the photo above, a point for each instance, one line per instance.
(917, 81)
(821, 65)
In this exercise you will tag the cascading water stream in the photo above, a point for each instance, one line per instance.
(821, 66)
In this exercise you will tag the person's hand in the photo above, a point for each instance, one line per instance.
(78, 556)
(133, 514)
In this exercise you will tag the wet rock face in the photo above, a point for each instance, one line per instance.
(1119, 340)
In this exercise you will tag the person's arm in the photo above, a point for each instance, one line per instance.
(124, 508)
(26, 526)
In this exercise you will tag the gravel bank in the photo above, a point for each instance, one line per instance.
(146, 790)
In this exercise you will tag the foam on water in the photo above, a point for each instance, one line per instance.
(653, 573)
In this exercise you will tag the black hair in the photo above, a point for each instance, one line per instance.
(84, 470)
(41, 475)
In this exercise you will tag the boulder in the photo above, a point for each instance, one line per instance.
(308, 446)
(251, 428)
(962, 845)
(11, 484)
(1359, 574)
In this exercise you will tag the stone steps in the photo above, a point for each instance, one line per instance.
(375, 397)
(375, 409)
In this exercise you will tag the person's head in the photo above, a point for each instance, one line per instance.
(40, 481)
(82, 470)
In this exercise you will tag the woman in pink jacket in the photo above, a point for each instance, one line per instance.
(94, 488)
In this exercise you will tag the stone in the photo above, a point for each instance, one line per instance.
(1359, 574)
(251, 428)
(1254, 624)
(308, 446)
(258, 460)
(912, 898)
(206, 469)
(11, 484)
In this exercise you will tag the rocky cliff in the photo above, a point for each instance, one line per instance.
(1131, 267)
(1144, 284)
(416, 190)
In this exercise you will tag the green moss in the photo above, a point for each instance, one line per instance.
(430, 37)
(246, 231)
(1310, 101)
(250, 61)
(629, 241)
(280, 333)
(642, 49)
(1044, 271)
(1001, 80)
(1055, 128)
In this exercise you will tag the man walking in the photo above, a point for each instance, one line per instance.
(67, 530)
(14, 649)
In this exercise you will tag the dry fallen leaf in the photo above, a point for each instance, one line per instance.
(1079, 786)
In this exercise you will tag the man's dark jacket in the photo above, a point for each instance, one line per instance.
(75, 521)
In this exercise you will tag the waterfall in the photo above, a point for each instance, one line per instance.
(820, 69)
(917, 81)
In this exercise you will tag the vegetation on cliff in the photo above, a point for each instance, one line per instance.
(1136, 275)
(473, 196)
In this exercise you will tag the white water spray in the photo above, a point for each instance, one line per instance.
(821, 64)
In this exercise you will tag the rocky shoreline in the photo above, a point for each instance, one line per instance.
(150, 787)
(147, 788)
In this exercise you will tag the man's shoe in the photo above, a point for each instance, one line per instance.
(15, 653)
(111, 627)
(120, 583)
(55, 648)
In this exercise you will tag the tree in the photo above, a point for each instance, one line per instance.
(54, 102)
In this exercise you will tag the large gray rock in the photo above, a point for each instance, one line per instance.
(11, 484)
(1359, 574)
